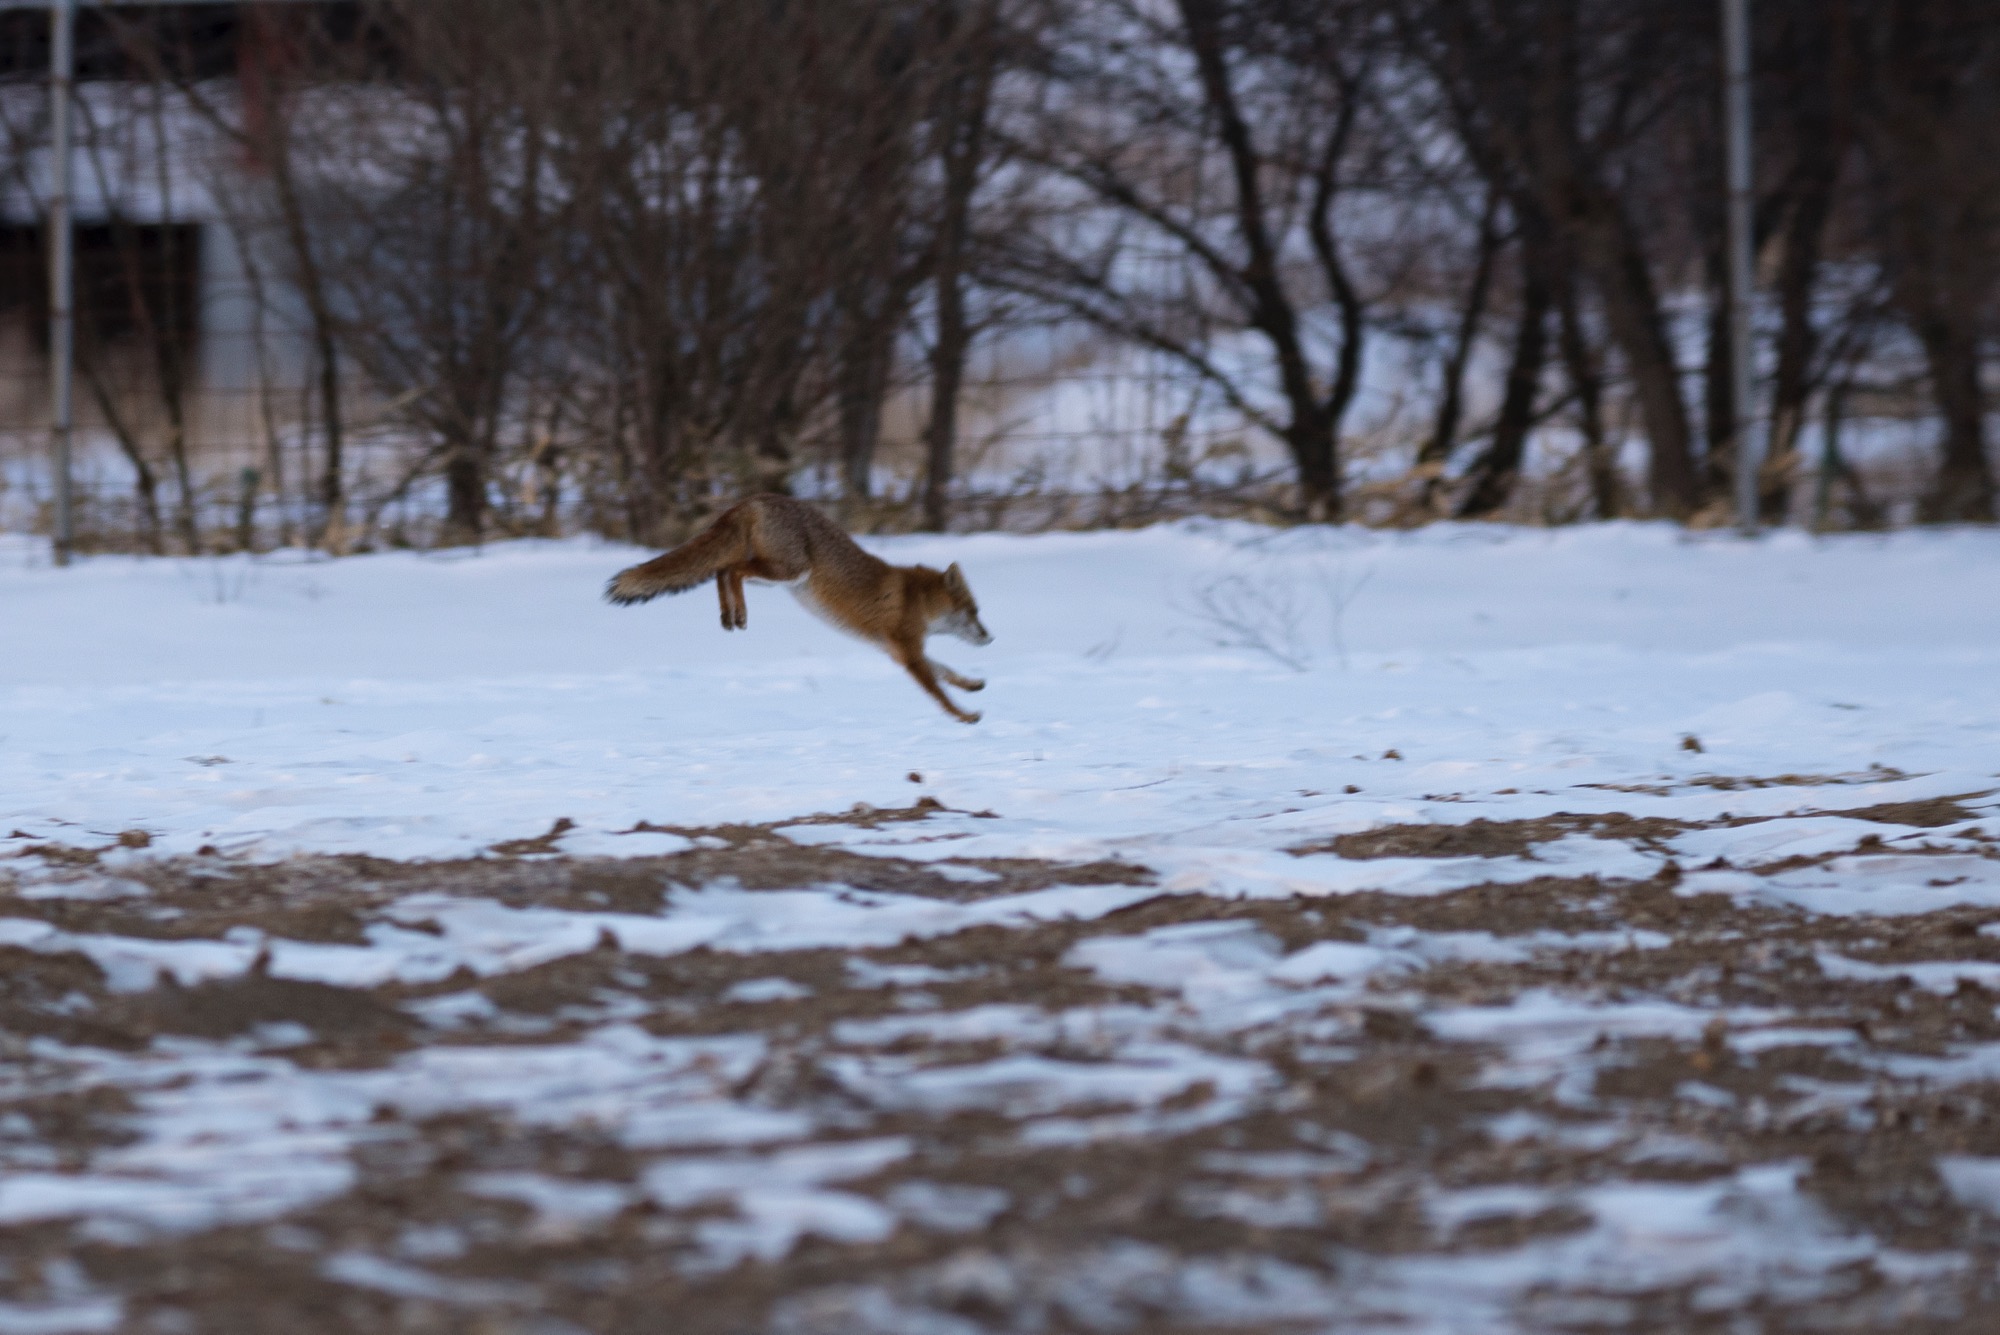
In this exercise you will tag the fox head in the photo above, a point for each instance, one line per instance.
(961, 614)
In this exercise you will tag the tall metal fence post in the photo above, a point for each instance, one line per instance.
(1742, 355)
(62, 310)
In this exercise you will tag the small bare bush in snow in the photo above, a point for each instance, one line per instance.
(1271, 612)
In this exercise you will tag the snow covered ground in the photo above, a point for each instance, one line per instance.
(427, 706)
(1469, 929)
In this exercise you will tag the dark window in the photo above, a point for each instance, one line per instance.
(132, 281)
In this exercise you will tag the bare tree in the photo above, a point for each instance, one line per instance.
(1491, 476)
(1552, 96)
(1811, 69)
(289, 55)
(742, 256)
(1222, 138)
(285, 58)
(1933, 96)
(961, 134)
(1487, 245)
(437, 223)
(877, 234)
(136, 325)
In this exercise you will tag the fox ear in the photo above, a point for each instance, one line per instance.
(954, 576)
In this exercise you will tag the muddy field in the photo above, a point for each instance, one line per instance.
(1044, 1097)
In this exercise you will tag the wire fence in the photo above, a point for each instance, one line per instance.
(1057, 430)
(223, 445)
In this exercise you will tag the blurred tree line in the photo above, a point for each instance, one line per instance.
(639, 256)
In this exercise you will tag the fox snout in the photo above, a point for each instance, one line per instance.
(963, 618)
(966, 626)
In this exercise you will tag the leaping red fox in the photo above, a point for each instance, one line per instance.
(783, 541)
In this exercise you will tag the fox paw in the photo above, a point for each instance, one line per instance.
(971, 684)
(964, 717)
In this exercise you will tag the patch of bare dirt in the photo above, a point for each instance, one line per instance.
(1730, 783)
(225, 1008)
(1484, 838)
(1926, 814)
(1519, 838)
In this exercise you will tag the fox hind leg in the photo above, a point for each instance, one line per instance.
(729, 588)
(958, 679)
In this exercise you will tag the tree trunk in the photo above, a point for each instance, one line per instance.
(1929, 133)
(771, 462)
(864, 381)
(186, 518)
(1798, 340)
(275, 151)
(143, 477)
(1592, 227)
(964, 154)
(1963, 488)
(333, 474)
(947, 375)
(1586, 379)
(1718, 382)
(1451, 398)
(312, 287)
(1494, 472)
(1823, 128)
(1637, 326)
(465, 494)
(1862, 510)
(1310, 438)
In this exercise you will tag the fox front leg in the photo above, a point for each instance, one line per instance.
(919, 667)
(958, 679)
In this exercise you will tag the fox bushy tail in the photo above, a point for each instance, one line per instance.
(687, 566)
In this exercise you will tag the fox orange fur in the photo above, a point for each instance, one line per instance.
(782, 541)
